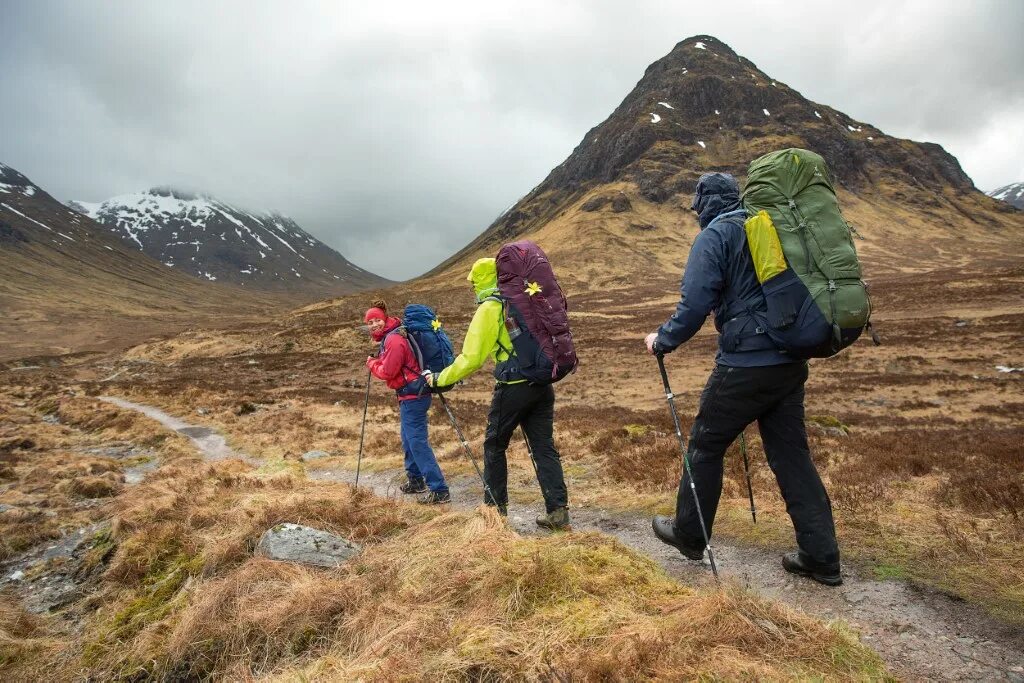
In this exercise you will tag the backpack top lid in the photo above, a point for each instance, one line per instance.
(420, 318)
(787, 172)
(524, 271)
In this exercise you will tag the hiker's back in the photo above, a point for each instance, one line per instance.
(742, 342)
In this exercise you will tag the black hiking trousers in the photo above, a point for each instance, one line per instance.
(533, 407)
(773, 396)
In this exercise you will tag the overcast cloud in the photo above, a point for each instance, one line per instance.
(396, 133)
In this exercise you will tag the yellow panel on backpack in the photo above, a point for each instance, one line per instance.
(764, 245)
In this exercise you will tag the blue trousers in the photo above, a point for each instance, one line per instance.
(420, 462)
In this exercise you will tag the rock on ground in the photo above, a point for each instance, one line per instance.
(303, 544)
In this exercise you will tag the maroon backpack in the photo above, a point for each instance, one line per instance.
(536, 315)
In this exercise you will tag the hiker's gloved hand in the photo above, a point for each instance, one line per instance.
(651, 341)
(370, 360)
(428, 377)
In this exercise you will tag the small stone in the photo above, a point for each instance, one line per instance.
(296, 543)
(202, 411)
(4, 508)
(314, 455)
(961, 323)
(17, 576)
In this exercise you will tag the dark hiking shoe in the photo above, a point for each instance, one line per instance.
(794, 563)
(435, 498)
(556, 520)
(665, 529)
(414, 486)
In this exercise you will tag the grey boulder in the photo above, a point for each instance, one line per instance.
(314, 455)
(305, 545)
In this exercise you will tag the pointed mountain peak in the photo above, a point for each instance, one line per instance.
(703, 107)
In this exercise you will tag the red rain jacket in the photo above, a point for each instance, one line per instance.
(396, 363)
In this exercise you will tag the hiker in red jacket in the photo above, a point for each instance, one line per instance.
(396, 365)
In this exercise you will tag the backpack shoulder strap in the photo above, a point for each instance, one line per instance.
(417, 352)
(501, 322)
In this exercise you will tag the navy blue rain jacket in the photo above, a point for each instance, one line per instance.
(720, 278)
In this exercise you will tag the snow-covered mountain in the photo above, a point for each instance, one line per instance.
(1011, 194)
(211, 239)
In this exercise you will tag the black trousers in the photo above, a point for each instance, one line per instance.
(533, 407)
(774, 397)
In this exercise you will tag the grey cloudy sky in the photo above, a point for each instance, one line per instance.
(396, 132)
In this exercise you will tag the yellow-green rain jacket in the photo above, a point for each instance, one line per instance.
(487, 336)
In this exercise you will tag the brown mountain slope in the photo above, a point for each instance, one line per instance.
(619, 205)
(67, 285)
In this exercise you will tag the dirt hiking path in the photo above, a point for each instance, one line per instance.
(921, 634)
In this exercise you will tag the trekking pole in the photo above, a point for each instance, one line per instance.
(686, 460)
(362, 430)
(746, 468)
(465, 446)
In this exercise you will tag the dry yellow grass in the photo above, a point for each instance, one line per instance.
(450, 596)
(456, 597)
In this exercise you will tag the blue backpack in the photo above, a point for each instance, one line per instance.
(430, 344)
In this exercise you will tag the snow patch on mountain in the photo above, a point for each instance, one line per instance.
(1011, 194)
(214, 240)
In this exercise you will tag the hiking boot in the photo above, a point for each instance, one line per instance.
(797, 563)
(414, 486)
(665, 529)
(435, 498)
(556, 520)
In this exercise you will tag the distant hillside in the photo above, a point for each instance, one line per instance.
(67, 284)
(1012, 194)
(208, 238)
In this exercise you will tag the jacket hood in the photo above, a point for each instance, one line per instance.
(717, 193)
(484, 276)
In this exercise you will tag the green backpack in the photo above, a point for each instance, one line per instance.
(804, 256)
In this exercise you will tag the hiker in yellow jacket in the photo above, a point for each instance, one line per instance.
(515, 402)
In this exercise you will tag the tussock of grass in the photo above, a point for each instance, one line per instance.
(185, 534)
(24, 642)
(464, 597)
(452, 596)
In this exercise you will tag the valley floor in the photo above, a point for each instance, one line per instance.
(918, 441)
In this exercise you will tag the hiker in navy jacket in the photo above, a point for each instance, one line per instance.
(752, 381)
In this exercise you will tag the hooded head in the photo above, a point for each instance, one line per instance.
(484, 276)
(717, 193)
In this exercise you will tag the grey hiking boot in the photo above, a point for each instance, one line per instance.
(414, 486)
(665, 529)
(435, 498)
(556, 520)
(799, 564)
